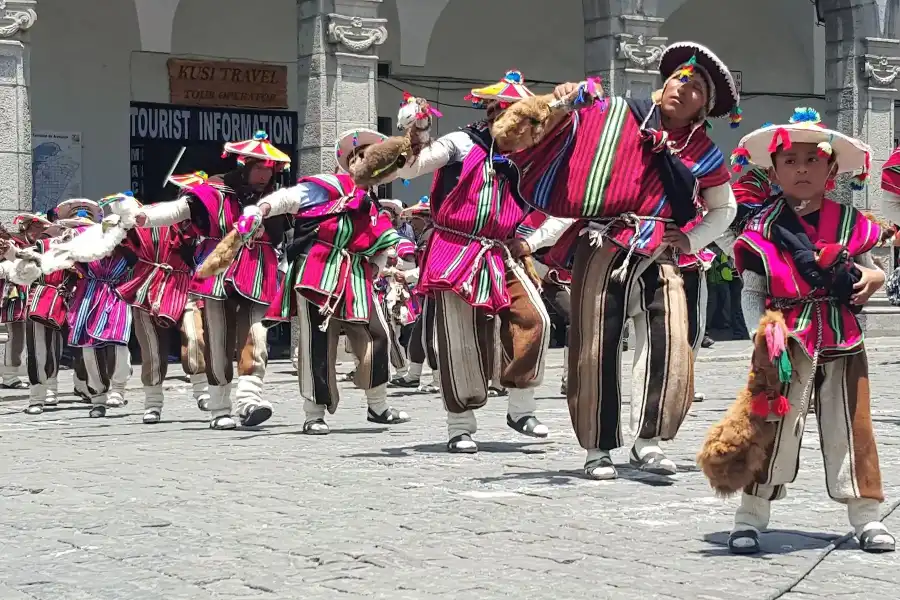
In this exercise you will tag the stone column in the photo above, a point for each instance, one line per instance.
(16, 17)
(337, 74)
(337, 77)
(622, 45)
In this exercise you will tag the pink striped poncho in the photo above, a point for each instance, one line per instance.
(160, 279)
(48, 299)
(838, 224)
(336, 274)
(13, 298)
(596, 165)
(254, 273)
(97, 315)
(465, 252)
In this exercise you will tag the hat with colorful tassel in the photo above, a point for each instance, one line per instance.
(805, 127)
(508, 90)
(689, 59)
(258, 148)
(353, 139)
(191, 180)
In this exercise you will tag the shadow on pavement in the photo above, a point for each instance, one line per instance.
(773, 542)
(489, 447)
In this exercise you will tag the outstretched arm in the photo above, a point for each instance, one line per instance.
(291, 200)
(164, 213)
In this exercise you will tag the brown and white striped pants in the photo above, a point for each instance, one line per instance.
(43, 352)
(234, 325)
(153, 340)
(465, 343)
(843, 413)
(422, 346)
(653, 295)
(14, 351)
(317, 354)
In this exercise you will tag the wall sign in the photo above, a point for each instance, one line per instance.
(737, 80)
(167, 122)
(219, 83)
(159, 131)
(56, 168)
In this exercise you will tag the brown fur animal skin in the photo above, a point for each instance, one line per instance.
(524, 124)
(737, 448)
(380, 161)
(221, 257)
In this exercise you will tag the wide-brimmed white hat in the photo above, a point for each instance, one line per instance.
(395, 206)
(79, 207)
(805, 126)
(352, 139)
(724, 97)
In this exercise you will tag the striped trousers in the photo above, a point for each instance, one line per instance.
(44, 347)
(154, 341)
(843, 413)
(396, 351)
(317, 354)
(653, 296)
(14, 352)
(422, 346)
(231, 325)
(697, 295)
(466, 349)
(108, 369)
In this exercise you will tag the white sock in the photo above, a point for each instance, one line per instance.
(460, 423)
(861, 512)
(521, 403)
(153, 396)
(753, 512)
(219, 400)
(37, 395)
(643, 447)
(414, 373)
(199, 386)
(313, 411)
(376, 398)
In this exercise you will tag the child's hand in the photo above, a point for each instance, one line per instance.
(870, 282)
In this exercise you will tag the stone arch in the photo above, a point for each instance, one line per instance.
(155, 22)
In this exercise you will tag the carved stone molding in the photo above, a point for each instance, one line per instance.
(16, 16)
(881, 71)
(356, 34)
(639, 50)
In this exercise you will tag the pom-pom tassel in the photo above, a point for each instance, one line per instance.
(824, 150)
(781, 406)
(736, 116)
(740, 158)
(760, 405)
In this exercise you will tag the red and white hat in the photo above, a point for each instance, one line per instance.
(190, 180)
(259, 148)
(509, 89)
(420, 209)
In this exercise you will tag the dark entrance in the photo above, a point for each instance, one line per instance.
(160, 131)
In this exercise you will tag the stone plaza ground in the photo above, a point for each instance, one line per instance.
(111, 509)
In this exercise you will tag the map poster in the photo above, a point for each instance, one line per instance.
(56, 166)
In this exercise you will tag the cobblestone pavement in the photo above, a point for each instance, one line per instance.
(116, 510)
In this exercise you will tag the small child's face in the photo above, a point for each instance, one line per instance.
(800, 171)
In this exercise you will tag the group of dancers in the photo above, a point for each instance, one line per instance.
(602, 206)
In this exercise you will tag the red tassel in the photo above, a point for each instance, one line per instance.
(829, 185)
(760, 405)
(781, 406)
(784, 137)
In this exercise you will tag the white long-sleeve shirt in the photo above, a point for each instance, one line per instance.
(548, 233)
(890, 206)
(721, 210)
(291, 200)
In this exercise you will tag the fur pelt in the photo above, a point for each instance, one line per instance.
(96, 242)
(127, 209)
(221, 257)
(736, 448)
(381, 161)
(524, 124)
(26, 271)
(531, 271)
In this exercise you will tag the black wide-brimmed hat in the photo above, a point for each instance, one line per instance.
(724, 97)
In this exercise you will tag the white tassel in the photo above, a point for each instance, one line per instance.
(620, 273)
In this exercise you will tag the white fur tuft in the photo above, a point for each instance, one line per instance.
(127, 209)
